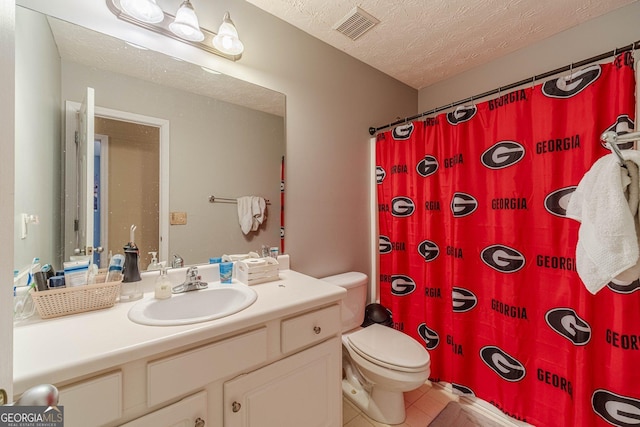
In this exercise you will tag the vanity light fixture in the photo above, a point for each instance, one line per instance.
(184, 27)
(227, 40)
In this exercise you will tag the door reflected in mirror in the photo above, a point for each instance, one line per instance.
(121, 197)
(126, 177)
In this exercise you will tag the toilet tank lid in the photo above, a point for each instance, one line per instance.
(347, 280)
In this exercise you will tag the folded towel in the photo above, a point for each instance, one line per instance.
(258, 206)
(251, 213)
(606, 205)
(245, 213)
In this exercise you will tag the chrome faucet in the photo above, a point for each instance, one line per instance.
(191, 283)
(177, 261)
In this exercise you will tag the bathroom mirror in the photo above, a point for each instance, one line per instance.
(222, 137)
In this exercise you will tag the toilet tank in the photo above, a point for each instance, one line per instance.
(354, 303)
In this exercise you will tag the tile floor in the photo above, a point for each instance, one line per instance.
(422, 406)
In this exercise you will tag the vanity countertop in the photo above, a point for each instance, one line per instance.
(57, 350)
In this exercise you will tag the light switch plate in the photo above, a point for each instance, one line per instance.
(178, 218)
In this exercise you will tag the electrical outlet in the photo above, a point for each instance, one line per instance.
(178, 218)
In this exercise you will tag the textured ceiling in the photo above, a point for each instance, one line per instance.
(78, 44)
(421, 42)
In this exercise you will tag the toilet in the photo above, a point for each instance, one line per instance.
(378, 363)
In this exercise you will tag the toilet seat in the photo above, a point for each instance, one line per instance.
(389, 348)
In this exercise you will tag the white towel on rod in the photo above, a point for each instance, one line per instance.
(606, 205)
(258, 206)
(251, 213)
(245, 213)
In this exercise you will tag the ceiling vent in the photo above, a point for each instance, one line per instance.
(356, 23)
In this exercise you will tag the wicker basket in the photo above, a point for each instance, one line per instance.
(78, 299)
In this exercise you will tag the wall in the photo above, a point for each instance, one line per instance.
(332, 99)
(37, 140)
(216, 148)
(613, 30)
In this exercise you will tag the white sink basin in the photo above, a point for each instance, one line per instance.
(218, 300)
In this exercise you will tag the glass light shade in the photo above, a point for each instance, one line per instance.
(227, 40)
(143, 10)
(186, 24)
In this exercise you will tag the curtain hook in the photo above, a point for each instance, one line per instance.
(472, 103)
(533, 82)
(570, 75)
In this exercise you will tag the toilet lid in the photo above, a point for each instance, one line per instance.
(386, 346)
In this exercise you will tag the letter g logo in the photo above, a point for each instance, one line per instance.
(402, 207)
(618, 410)
(402, 285)
(502, 258)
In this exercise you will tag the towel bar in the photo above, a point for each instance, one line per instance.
(613, 139)
(214, 199)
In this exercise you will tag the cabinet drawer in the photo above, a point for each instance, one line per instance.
(176, 375)
(92, 402)
(182, 413)
(308, 328)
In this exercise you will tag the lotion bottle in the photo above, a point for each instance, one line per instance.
(163, 285)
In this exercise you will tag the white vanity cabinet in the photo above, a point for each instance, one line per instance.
(303, 389)
(300, 390)
(275, 364)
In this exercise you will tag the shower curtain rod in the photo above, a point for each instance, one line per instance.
(632, 46)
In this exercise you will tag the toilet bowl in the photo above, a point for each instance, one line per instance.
(379, 363)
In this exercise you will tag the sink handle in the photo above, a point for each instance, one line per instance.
(192, 274)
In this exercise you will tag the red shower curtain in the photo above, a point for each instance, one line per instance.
(477, 258)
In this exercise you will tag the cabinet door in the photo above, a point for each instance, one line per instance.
(188, 412)
(92, 402)
(301, 390)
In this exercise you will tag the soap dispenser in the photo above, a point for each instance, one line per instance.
(153, 265)
(163, 285)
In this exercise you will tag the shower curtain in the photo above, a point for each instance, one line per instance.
(477, 258)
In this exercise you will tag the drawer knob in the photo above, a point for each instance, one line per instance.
(317, 329)
(199, 422)
(235, 406)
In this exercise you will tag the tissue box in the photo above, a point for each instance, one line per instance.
(257, 270)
